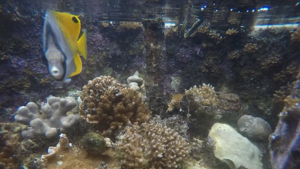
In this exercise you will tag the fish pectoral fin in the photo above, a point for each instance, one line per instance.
(81, 44)
(78, 64)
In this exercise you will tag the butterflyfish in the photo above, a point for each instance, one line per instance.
(62, 45)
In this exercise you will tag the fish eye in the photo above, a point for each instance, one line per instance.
(75, 20)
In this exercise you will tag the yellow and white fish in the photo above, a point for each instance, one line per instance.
(61, 45)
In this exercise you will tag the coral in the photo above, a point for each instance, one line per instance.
(151, 146)
(112, 107)
(201, 30)
(63, 145)
(234, 55)
(231, 32)
(93, 143)
(234, 149)
(254, 128)
(229, 104)
(175, 83)
(129, 25)
(215, 36)
(105, 24)
(175, 122)
(67, 155)
(283, 93)
(211, 35)
(270, 61)
(91, 95)
(202, 99)
(250, 47)
(55, 117)
(134, 81)
(295, 36)
(175, 102)
(228, 101)
(9, 144)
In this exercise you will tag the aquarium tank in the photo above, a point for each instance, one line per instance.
(150, 84)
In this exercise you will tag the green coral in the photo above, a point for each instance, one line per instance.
(93, 143)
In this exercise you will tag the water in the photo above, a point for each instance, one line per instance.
(166, 84)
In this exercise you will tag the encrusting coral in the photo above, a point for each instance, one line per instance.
(229, 104)
(54, 117)
(228, 101)
(151, 146)
(112, 107)
(63, 145)
(68, 155)
(9, 144)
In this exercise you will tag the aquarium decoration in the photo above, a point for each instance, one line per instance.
(186, 84)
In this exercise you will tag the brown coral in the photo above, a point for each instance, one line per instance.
(234, 55)
(202, 99)
(229, 105)
(250, 47)
(66, 156)
(228, 101)
(152, 146)
(271, 61)
(295, 36)
(9, 143)
(112, 106)
(175, 102)
(231, 31)
(63, 145)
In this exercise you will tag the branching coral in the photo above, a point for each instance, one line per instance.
(105, 102)
(250, 47)
(91, 95)
(234, 55)
(231, 31)
(271, 61)
(54, 117)
(175, 102)
(202, 99)
(152, 146)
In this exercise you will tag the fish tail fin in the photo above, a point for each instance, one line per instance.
(78, 65)
(82, 45)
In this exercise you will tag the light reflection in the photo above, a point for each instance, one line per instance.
(293, 25)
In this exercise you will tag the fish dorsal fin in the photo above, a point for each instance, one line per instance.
(70, 26)
(82, 45)
(78, 65)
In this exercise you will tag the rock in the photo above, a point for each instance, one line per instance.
(234, 149)
(254, 128)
